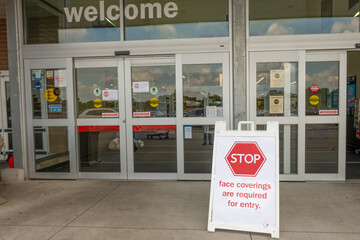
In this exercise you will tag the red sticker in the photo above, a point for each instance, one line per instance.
(314, 88)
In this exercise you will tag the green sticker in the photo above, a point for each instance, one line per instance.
(97, 92)
(154, 90)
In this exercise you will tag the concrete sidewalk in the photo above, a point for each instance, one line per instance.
(165, 210)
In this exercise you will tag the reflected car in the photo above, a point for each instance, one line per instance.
(199, 112)
(96, 112)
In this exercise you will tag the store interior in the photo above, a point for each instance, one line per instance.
(353, 119)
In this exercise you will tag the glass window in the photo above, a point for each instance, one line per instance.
(51, 149)
(277, 89)
(198, 149)
(99, 148)
(8, 109)
(155, 149)
(97, 92)
(175, 19)
(49, 93)
(288, 147)
(54, 21)
(322, 88)
(153, 91)
(321, 148)
(291, 17)
(203, 90)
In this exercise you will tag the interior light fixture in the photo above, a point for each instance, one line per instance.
(260, 80)
(357, 14)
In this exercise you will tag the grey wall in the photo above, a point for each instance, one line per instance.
(239, 61)
(15, 92)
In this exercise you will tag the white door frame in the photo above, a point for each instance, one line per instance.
(4, 128)
(301, 120)
(120, 121)
(61, 63)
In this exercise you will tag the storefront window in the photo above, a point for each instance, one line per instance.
(277, 89)
(175, 19)
(203, 90)
(54, 21)
(155, 149)
(49, 99)
(99, 148)
(322, 88)
(153, 91)
(51, 149)
(97, 92)
(198, 148)
(321, 148)
(284, 17)
(288, 148)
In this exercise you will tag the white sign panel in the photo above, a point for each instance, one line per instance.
(277, 78)
(110, 95)
(60, 78)
(141, 87)
(245, 180)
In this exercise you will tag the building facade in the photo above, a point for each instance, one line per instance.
(131, 89)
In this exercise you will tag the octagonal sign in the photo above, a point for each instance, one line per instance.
(245, 159)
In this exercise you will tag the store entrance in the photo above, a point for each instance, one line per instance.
(5, 116)
(125, 118)
(353, 120)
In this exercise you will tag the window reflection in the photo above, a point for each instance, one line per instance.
(153, 91)
(51, 149)
(277, 89)
(322, 88)
(203, 90)
(97, 92)
(155, 148)
(198, 149)
(99, 148)
(283, 17)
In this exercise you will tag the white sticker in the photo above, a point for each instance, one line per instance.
(37, 75)
(188, 132)
(141, 87)
(277, 78)
(60, 79)
(110, 95)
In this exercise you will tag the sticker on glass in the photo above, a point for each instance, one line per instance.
(38, 85)
(188, 132)
(276, 104)
(314, 100)
(154, 102)
(277, 78)
(97, 92)
(110, 95)
(37, 75)
(60, 79)
(140, 87)
(57, 91)
(154, 90)
(49, 74)
(50, 96)
(97, 103)
(55, 108)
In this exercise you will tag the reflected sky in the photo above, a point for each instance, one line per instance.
(304, 26)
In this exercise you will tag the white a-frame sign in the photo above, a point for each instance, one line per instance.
(245, 179)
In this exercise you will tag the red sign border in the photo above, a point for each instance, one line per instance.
(247, 142)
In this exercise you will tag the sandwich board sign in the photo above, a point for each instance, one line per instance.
(245, 179)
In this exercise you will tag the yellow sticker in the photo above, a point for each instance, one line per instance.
(50, 96)
(154, 102)
(97, 103)
(314, 100)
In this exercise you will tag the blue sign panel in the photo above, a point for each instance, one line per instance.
(38, 85)
(56, 108)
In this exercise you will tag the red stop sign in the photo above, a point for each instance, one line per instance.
(314, 88)
(245, 159)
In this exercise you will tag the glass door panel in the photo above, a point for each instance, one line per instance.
(101, 144)
(50, 114)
